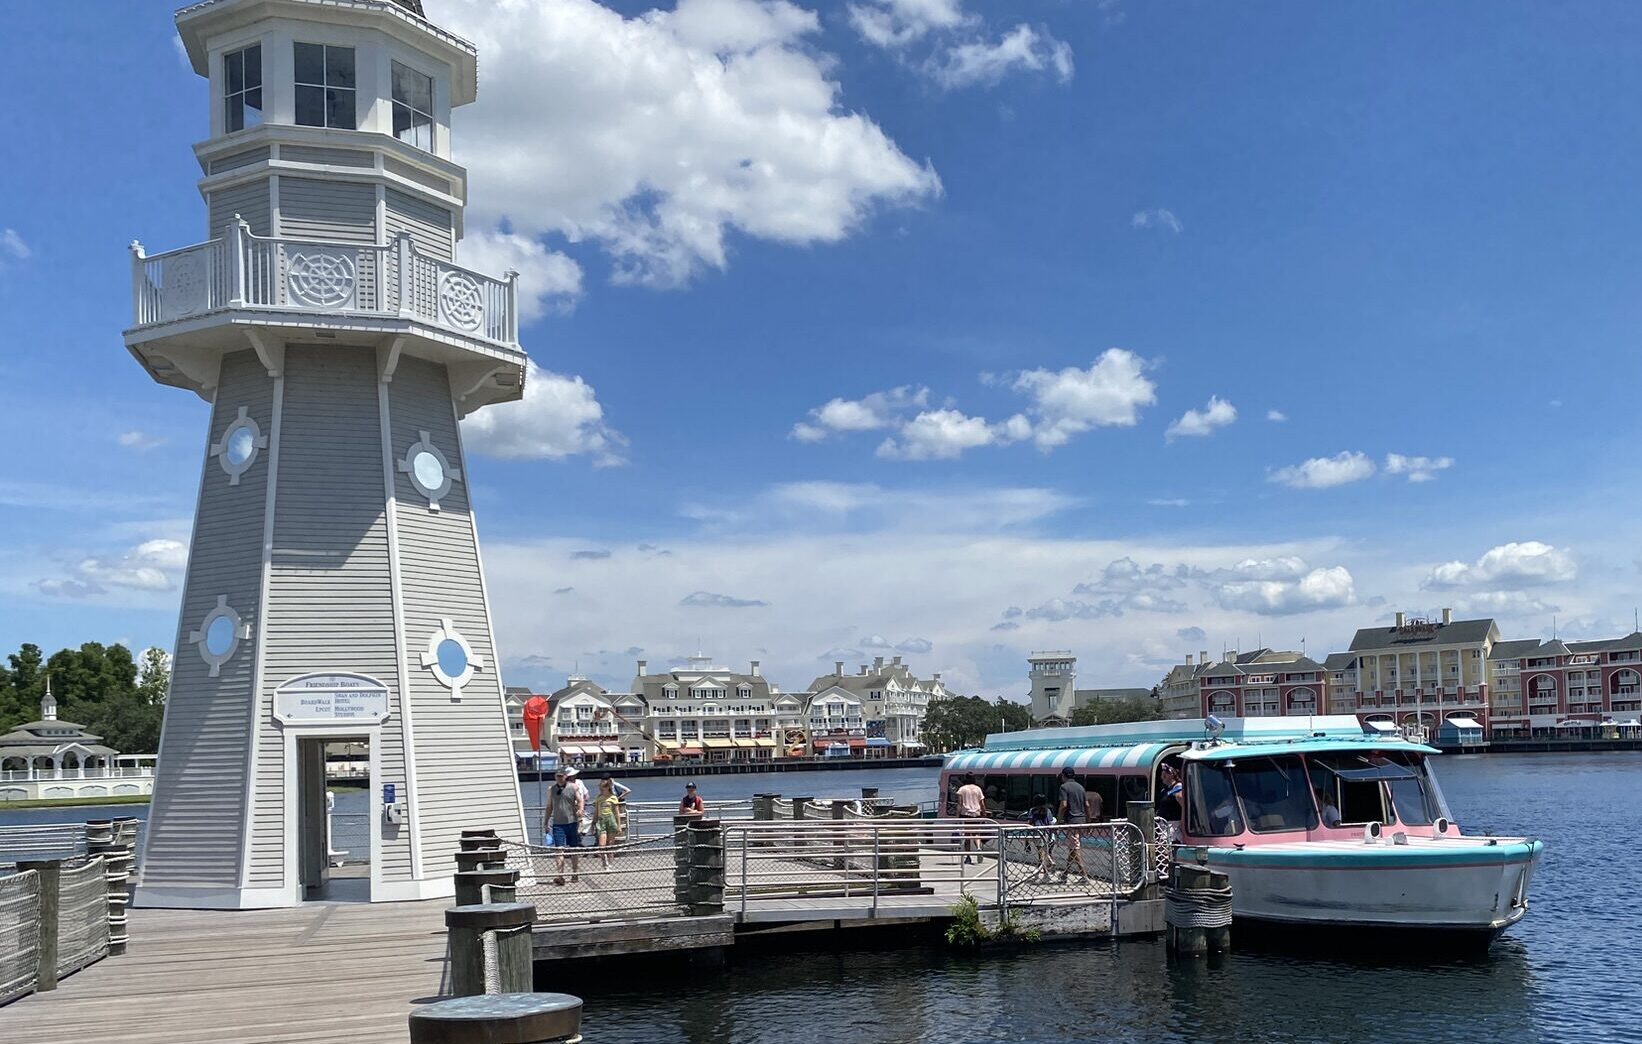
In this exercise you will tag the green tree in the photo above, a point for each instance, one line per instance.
(98, 686)
(965, 721)
(1113, 712)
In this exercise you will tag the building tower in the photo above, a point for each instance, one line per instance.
(334, 589)
(1053, 675)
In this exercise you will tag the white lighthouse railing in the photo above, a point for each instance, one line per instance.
(245, 271)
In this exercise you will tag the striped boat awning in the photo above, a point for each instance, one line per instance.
(1140, 755)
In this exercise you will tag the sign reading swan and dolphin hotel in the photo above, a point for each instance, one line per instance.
(334, 590)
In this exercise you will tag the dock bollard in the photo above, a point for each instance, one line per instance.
(475, 887)
(763, 807)
(490, 948)
(1197, 910)
(502, 1018)
(798, 806)
(682, 841)
(481, 859)
(706, 877)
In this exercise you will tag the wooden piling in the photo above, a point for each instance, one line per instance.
(1145, 820)
(50, 871)
(503, 1018)
(706, 876)
(503, 929)
(475, 887)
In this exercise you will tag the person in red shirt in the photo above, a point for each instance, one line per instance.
(692, 804)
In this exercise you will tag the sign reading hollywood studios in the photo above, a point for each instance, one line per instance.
(324, 698)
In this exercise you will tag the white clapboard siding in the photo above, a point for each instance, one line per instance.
(327, 156)
(195, 834)
(416, 174)
(236, 160)
(464, 764)
(429, 225)
(249, 201)
(330, 606)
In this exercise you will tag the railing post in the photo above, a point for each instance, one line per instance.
(1003, 885)
(236, 254)
(512, 307)
(798, 805)
(51, 887)
(682, 841)
(139, 285)
(1141, 816)
(403, 266)
(706, 868)
(877, 867)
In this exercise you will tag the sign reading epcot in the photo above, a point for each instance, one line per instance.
(324, 698)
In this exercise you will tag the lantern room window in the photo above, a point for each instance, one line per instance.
(325, 86)
(242, 89)
(412, 107)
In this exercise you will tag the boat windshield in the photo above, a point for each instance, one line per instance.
(1358, 785)
(1211, 801)
(1275, 793)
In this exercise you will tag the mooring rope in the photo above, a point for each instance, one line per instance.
(1198, 907)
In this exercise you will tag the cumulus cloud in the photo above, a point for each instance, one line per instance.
(1329, 588)
(712, 600)
(658, 137)
(1504, 603)
(1276, 416)
(1110, 393)
(547, 278)
(1192, 634)
(1418, 469)
(960, 51)
(558, 417)
(150, 566)
(1518, 564)
(1159, 219)
(139, 440)
(1324, 472)
(1217, 414)
(591, 553)
(869, 413)
(917, 646)
(946, 434)
(63, 587)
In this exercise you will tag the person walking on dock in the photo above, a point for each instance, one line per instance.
(1074, 812)
(1040, 817)
(607, 817)
(565, 803)
(971, 805)
(692, 805)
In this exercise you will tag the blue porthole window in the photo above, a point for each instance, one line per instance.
(429, 470)
(218, 636)
(237, 449)
(450, 658)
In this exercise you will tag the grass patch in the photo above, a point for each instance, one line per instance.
(118, 799)
(968, 930)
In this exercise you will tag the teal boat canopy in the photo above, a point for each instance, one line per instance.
(1135, 756)
(1179, 730)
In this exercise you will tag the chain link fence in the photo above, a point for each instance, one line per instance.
(1086, 859)
(630, 880)
(19, 934)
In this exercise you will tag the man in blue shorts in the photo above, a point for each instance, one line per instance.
(564, 819)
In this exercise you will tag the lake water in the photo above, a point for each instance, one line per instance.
(1570, 971)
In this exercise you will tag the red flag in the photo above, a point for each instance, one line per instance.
(535, 710)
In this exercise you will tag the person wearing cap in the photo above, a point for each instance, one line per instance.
(564, 821)
(1074, 810)
(692, 804)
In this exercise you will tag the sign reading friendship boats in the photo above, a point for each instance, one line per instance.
(322, 698)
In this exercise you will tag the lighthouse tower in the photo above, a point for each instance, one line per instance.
(335, 598)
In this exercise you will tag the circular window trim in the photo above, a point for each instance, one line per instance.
(407, 466)
(241, 630)
(430, 658)
(259, 442)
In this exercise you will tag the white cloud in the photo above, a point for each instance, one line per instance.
(945, 435)
(1175, 502)
(1418, 469)
(1517, 604)
(1317, 589)
(1324, 472)
(1517, 564)
(544, 275)
(869, 413)
(1277, 416)
(987, 62)
(68, 588)
(1159, 219)
(659, 136)
(1069, 402)
(12, 246)
(1217, 414)
(139, 440)
(868, 504)
(152, 565)
(713, 600)
(1191, 634)
(962, 52)
(558, 417)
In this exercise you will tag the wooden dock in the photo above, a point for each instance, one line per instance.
(314, 974)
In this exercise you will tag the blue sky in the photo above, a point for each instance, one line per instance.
(1055, 227)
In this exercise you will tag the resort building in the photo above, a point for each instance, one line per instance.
(589, 725)
(1567, 688)
(1431, 673)
(1179, 689)
(703, 710)
(1265, 682)
(893, 700)
(838, 723)
(1341, 682)
(1054, 696)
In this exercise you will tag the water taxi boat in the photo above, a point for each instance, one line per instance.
(1317, 821)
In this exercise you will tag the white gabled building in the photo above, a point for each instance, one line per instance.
(893, 701)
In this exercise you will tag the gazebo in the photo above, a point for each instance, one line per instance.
(52, 749)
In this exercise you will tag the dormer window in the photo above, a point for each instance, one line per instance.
(325, 86)
(242, 89)
(412, 107)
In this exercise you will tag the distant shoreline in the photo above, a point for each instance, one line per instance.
(743, 768)
(120, 799)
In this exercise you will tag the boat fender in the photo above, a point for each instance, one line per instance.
(1441, 824)
(1371, 833)
(1399, 838)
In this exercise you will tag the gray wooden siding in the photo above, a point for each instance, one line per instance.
(330, 157)
(330, 596)
(195, 829)
(464, 763)
(236, 160)
(416, 174)
(250, 201)
(327, 211)
(430, 226)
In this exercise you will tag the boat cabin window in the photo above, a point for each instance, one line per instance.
(1363, 782)
(1211, 801)
(1355, 799)
(1275, 793)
